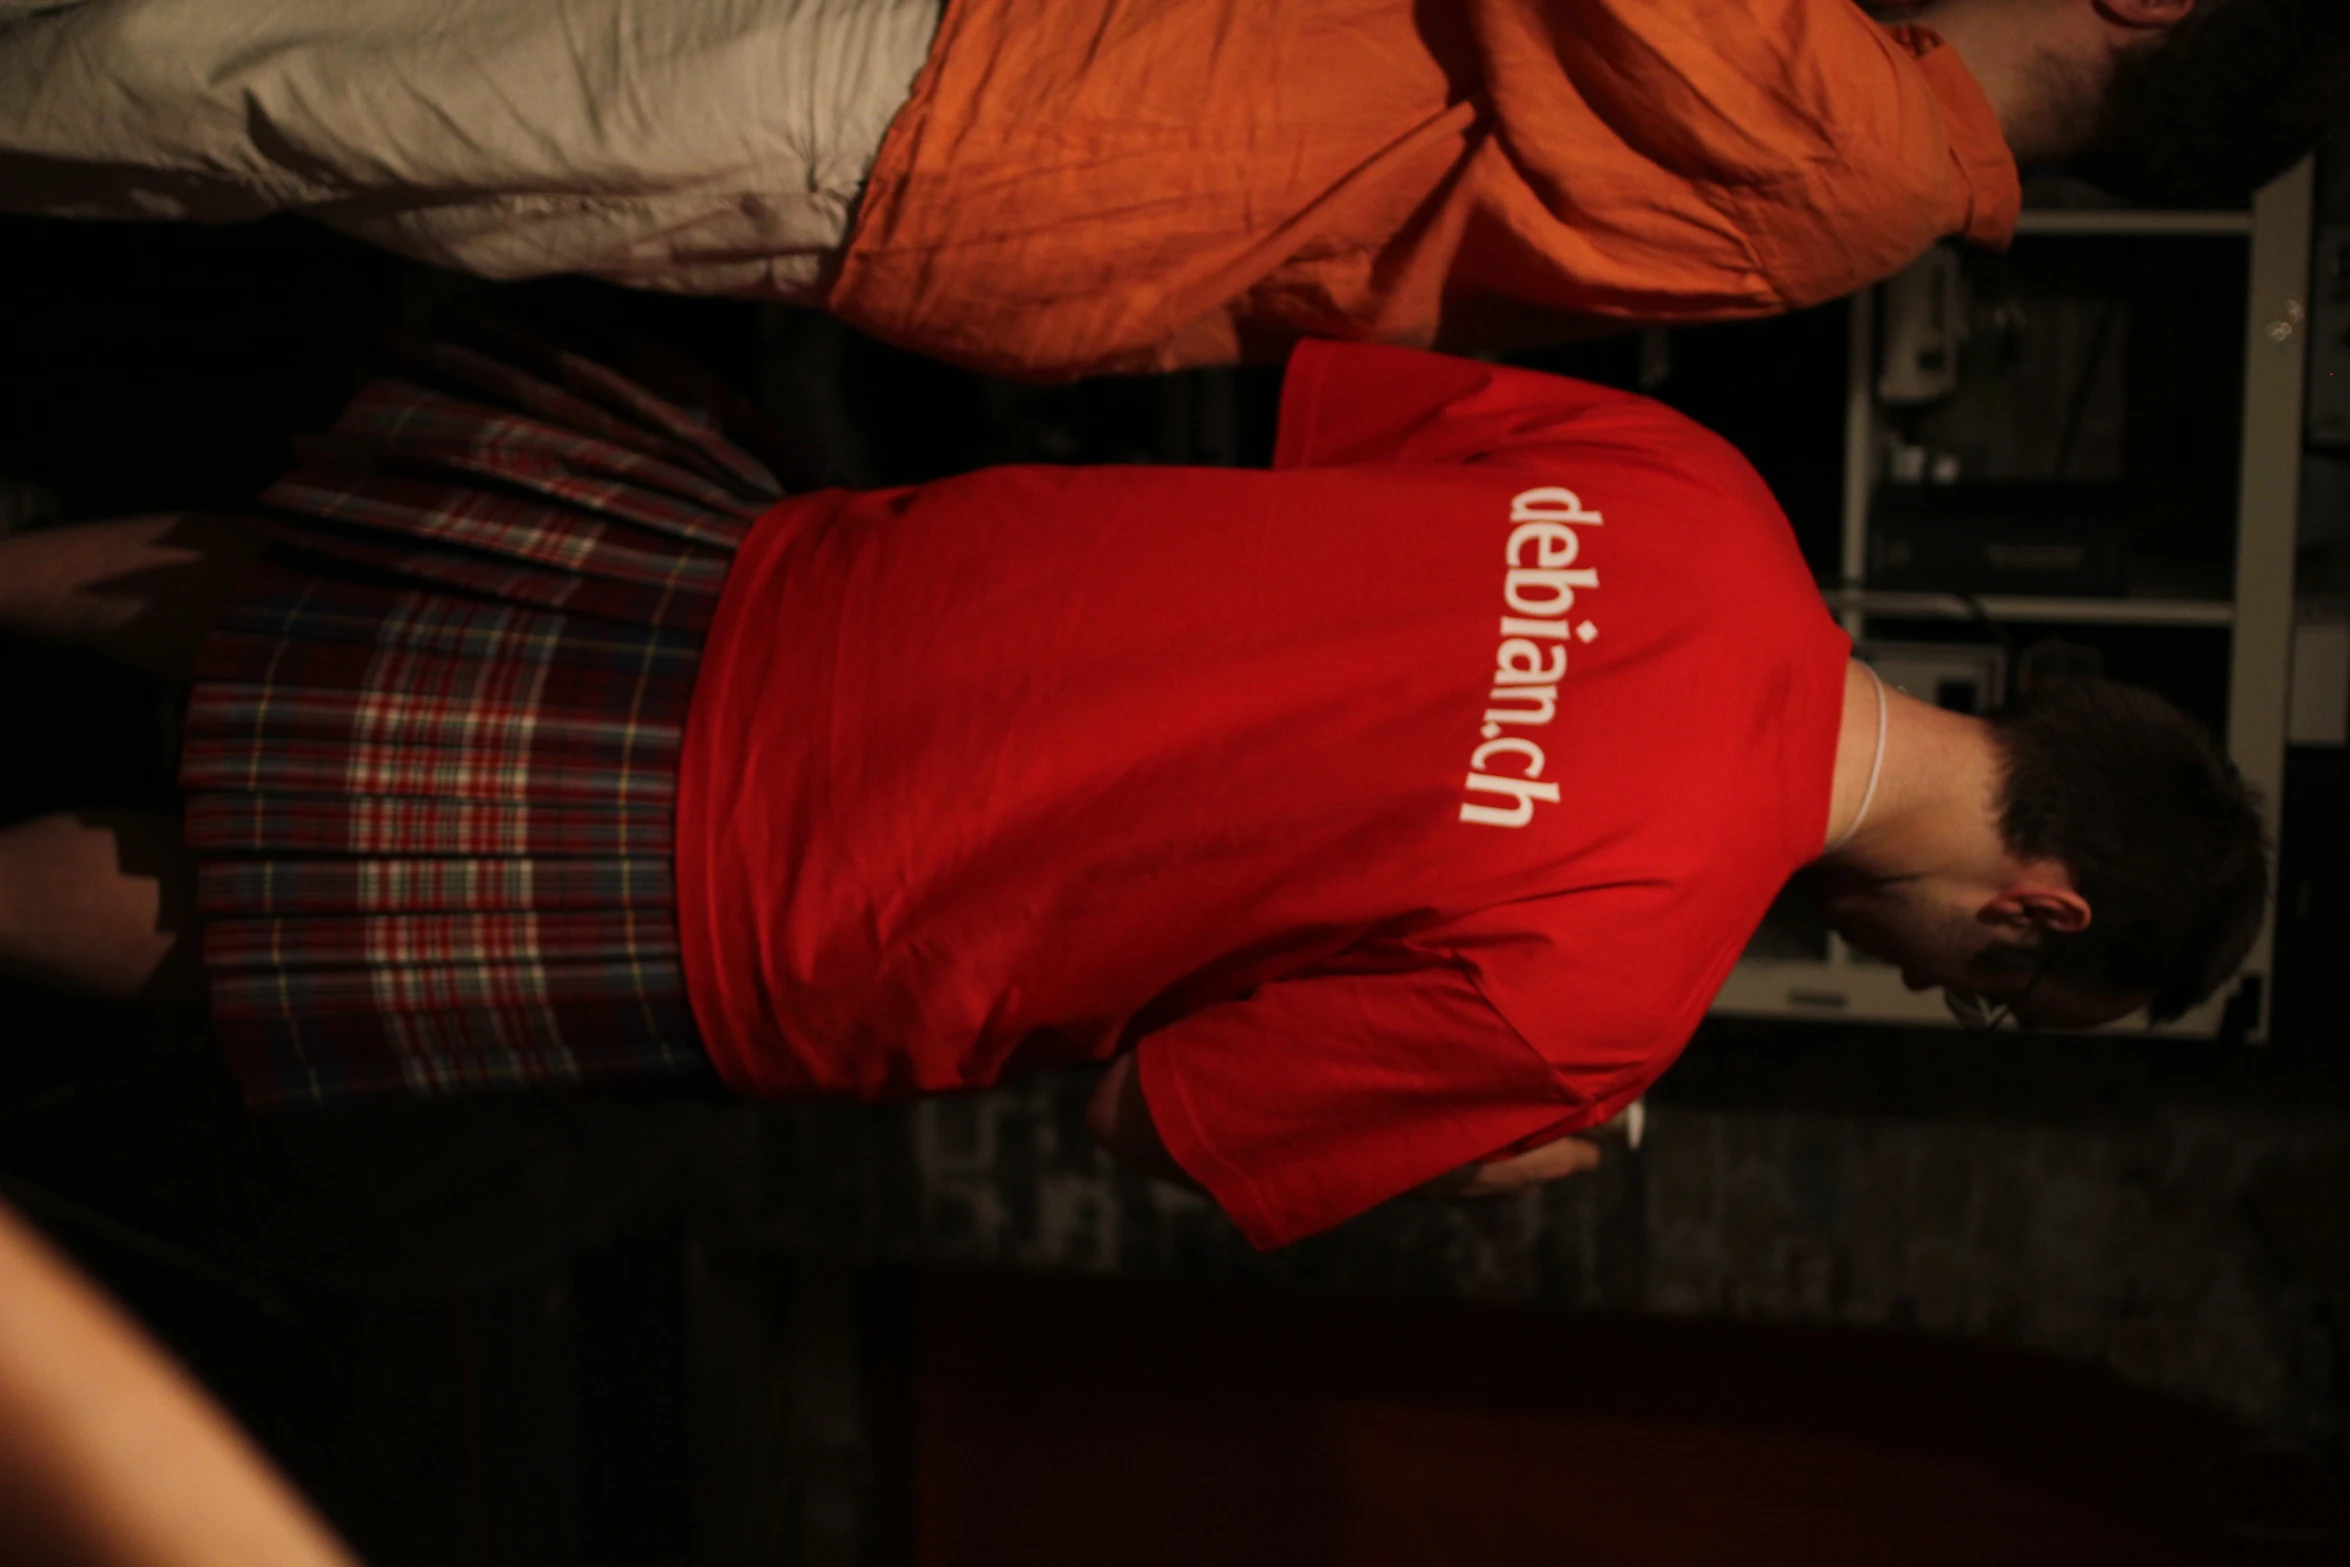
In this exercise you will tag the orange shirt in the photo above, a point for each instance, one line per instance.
(1080, 186)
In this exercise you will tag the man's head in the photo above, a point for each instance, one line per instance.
(2168, 103)
(2110, 858)
(2214, 106)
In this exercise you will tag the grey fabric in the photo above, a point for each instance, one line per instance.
(712, 147)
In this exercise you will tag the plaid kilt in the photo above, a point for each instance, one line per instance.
(431, 754)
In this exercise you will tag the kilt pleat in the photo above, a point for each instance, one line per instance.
(321, 612)
(476, 737)
(430, 1054)
(353, 768)
(431, 752)
(368, 990)
(458, 940)
(693, 427)
(438, 716)
(481, 575)
(513, 528)
(397, 425)
(520, 833)
(329, 887)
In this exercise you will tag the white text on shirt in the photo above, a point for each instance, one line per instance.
(1539, 589)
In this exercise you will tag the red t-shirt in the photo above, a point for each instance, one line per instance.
(1407, 802)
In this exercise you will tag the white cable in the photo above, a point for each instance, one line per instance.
(1876, 767)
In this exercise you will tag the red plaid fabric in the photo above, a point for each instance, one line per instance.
(431, 753)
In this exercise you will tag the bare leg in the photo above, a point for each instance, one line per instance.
(101, 902)
(144, 591)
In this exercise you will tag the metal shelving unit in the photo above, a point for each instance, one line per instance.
(2126, 220)
(1884, 604)
(2257, 616)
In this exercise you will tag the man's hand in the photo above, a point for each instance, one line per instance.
(1501, 1177)
(1120, 1120)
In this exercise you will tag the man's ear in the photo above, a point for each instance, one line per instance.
(2040, 903)
(2144, 15)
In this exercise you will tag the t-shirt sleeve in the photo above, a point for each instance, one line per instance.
(1318, 1097)
(1738, 95)
(1345, 403)
(1786, 151)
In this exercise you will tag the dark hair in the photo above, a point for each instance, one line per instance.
(2225, 101)
(2163, 838)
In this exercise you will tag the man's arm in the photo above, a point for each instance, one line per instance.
(1119, 1117)
(1684, 161)
(1120, 1120)
(1519, 1172)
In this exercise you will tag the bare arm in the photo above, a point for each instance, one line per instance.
(109, 1455)
(1501, 1177)
(1120, 1120)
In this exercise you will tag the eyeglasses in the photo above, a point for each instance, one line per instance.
(1979, 1014)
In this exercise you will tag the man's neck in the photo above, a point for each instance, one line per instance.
(1935, 805)
(2039, 62)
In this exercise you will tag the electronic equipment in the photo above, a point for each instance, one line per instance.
(1964, 677)
(2058, 539)
(2329, 338)
(1925, 322)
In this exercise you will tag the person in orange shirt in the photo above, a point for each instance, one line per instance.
(1053, 188)
(1157, 187)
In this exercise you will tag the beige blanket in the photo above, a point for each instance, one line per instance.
(707, 146)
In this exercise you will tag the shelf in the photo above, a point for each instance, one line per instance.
(1889, 604)
(2249, 681)
(2092, 222)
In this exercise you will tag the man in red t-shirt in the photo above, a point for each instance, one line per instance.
(1397, 810)
(1381, 819)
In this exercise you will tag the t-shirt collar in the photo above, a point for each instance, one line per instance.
(1995, 192)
